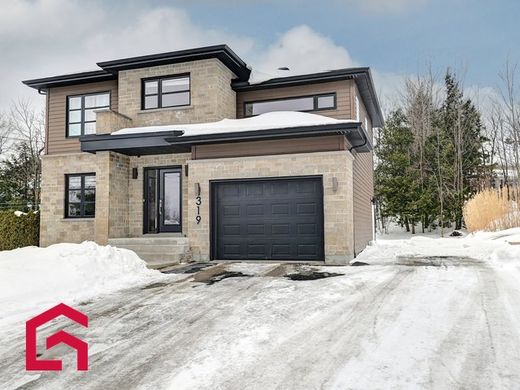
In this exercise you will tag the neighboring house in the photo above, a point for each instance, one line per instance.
(178, 154)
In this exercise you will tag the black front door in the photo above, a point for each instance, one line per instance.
(162, 200)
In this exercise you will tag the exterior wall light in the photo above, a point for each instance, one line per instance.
(335, 184)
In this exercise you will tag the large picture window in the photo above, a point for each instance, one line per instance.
(171, 91)
(80, 195)
(303, 103)
(81, 116)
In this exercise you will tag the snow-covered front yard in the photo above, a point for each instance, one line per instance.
(425, 313)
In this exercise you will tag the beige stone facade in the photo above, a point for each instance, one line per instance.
(338, 211)
(119, 197)
(54, 227)
(212, 98)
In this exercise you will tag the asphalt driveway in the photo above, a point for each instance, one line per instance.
(443, 324)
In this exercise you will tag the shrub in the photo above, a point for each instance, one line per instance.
(489, 210)
(18, 231)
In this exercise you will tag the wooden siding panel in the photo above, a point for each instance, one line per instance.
(363, 184)
(270, 147)
(343, 90)
(57, 142)
(363, 194)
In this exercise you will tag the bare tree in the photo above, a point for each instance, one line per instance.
(4, 134)
(511, 115)
(420, 100)
(26, 137)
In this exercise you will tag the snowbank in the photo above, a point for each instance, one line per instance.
(492, 247)
(268, 121)
(33, 279)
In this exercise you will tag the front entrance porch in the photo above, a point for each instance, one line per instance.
(159, 251)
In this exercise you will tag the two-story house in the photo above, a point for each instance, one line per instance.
(178, 154)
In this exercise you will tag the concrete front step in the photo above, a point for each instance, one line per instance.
(148, 240)
(159, 257)
(157, 251)
(161, 249)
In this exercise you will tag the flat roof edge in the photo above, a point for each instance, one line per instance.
(70, 79)
(165, 139)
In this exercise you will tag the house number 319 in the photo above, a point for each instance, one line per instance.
(198, 202)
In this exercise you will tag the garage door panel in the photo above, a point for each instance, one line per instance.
(307, 228)
(232, 249)
(254, 189)
(306, 209)
(280, 209)
(257, 249)
(256, 229)
(230, 191)
(280, 228)
(279, 219)
(305, 187)
(255, 210)
(231, 230)
(281, 188)
(231, 210)
(307, 250)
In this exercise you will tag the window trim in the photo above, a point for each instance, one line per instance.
(82, 201)
(82, 123)
(159, 93)
(314, 96)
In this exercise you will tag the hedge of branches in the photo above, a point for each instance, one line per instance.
(18, 229)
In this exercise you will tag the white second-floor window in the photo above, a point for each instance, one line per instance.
(163, 92)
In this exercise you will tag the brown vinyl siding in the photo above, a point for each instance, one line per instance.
(363, 194)
(269, 147)
(363, 169)
(342, 88)
(57, 142)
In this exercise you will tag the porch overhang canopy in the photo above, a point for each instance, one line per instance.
(180, 138)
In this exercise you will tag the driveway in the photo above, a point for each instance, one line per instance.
(415, 323)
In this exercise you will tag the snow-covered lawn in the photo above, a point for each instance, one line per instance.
(426, 313)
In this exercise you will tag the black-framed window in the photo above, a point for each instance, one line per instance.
(163, 92)
(80, 195)
(81, 118)
(300, 103)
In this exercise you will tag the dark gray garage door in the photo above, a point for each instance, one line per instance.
(279, 219)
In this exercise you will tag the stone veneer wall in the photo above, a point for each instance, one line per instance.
(119, 178)
(338, 206)
(212, 98)
(119, 198)
(108, 121)
(54, 227)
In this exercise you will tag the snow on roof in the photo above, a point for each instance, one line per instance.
(268, 121)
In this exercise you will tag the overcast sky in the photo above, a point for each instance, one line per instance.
(394, 37)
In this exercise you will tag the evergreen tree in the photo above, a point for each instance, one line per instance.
(459, 136)
(19, 186)
(427, 171)
(397, 179)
